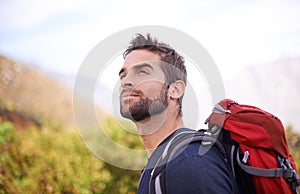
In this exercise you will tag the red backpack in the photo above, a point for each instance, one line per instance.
(257, 148)
(251, 140)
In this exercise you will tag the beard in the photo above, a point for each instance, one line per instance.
(145, 107)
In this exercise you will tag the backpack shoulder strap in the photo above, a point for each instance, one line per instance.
(179, 142)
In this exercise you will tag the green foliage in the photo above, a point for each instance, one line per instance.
(50, 161)
(293, 139)
(128, 138)
(53, 161)
(5, 128)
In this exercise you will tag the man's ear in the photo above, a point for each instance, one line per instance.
(176, 89)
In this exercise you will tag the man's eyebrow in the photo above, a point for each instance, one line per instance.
(121, 71)
(139, 66)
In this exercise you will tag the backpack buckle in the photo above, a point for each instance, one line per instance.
(281, 162)
(245, 158)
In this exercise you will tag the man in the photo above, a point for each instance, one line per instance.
(153, 80)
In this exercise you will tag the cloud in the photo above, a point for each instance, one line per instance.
(16, 15)
(58, 34)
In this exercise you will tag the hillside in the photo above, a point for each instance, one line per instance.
(29, 95)
(274, 86)
(102, 94)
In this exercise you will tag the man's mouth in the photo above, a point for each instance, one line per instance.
(129, 95)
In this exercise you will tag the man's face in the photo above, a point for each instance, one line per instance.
(143, 91)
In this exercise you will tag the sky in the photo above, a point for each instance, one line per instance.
(57, 35)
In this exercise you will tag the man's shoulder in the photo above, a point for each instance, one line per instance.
(196, 151)
(196, 167)
(199, 169)
(196, 155)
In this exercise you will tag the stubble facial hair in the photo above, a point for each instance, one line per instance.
(145, 107)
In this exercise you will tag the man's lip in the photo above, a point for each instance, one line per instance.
(129, 95)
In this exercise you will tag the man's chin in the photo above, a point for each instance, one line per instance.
(125, 113)
(134, 117)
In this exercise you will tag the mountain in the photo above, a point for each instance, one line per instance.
(32, 98)
(273, 86)
(102, 94)
(28, 97)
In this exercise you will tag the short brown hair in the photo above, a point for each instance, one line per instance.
(175, 68)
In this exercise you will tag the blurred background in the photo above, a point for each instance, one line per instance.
(255, 45)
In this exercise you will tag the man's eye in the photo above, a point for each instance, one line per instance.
(143, 72)
(122, 76)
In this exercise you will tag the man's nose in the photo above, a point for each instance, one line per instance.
(127, 81)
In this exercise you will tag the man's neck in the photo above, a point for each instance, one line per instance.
(155, 129)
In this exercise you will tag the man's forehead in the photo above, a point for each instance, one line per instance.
(138, 57)
(152, 63)
(142, 64)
